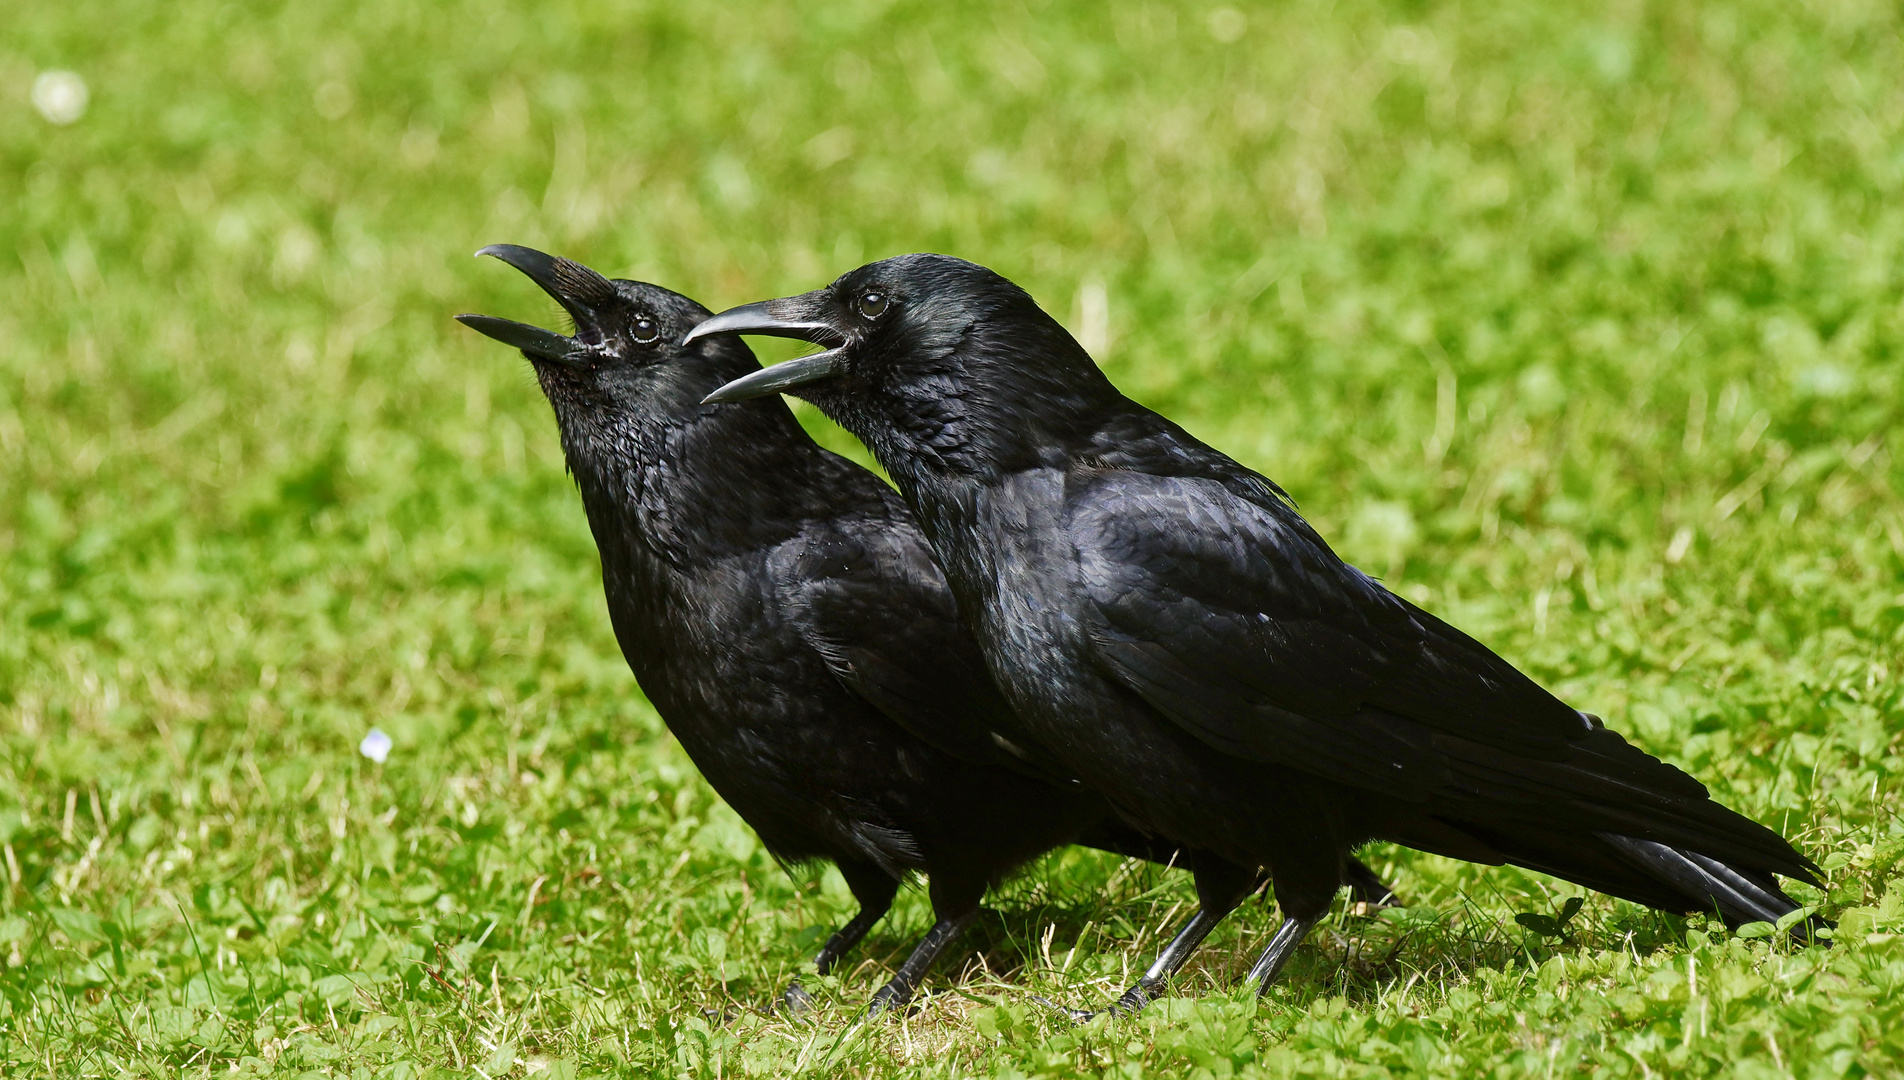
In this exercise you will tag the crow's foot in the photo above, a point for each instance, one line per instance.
(1127, 1004)
(795, 1001)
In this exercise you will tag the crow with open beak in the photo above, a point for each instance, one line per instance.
(1166, 623)
(782, 612)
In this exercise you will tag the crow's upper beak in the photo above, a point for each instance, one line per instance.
(790, 316)
(573, 285)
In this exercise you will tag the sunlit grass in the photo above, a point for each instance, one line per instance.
(1581, 326)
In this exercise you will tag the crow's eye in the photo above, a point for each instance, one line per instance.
(873, 304)
(646, 331)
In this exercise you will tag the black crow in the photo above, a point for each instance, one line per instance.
(781, 610)
(1179, 637)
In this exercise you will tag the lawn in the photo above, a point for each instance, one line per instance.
(1578, 323)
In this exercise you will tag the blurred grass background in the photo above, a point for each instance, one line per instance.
(1579, 323)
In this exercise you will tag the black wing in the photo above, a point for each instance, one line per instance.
(874, 604)
(1232, 618)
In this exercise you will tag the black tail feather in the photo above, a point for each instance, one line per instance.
(1739, 895)
(1662, 876)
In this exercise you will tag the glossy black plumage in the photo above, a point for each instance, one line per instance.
(1164, 620)
(782, 612)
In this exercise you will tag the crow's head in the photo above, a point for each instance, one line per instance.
(627, 387)
(627, 358)
(928, 358)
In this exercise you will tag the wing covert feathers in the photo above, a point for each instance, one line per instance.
(1240, 626)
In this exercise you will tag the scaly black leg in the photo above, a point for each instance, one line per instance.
(906, 981)
(1221, 885)
(1282, 945)
(875, 892)
(1307, 879)
(955, 893)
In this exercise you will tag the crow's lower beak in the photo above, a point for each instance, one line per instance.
(533, 340)
(775, 318)
(570, 283)
(781, 377)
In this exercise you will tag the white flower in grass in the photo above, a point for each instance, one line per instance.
(376, 745)
(60, 96)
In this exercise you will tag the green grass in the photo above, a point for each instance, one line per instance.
(1579, 323)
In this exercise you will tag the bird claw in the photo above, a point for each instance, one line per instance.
(1128, 1003)
(1076, 1016)
(795, 1000)
(889, 999)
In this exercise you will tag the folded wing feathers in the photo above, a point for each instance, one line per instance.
(1245, 630)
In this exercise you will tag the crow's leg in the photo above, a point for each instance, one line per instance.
(1365, 886)
(955, 901)
(1282, 945)
(1306, 882)
(875, 892)
(906, 981)
(1221, 885)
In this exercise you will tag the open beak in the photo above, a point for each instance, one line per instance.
(570, 283)
(792, 317)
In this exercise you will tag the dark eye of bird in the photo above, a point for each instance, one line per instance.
(872, 304)
(646, 331)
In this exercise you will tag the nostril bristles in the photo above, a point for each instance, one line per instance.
(583, 283)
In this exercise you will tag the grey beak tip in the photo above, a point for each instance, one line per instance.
(526, 259)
